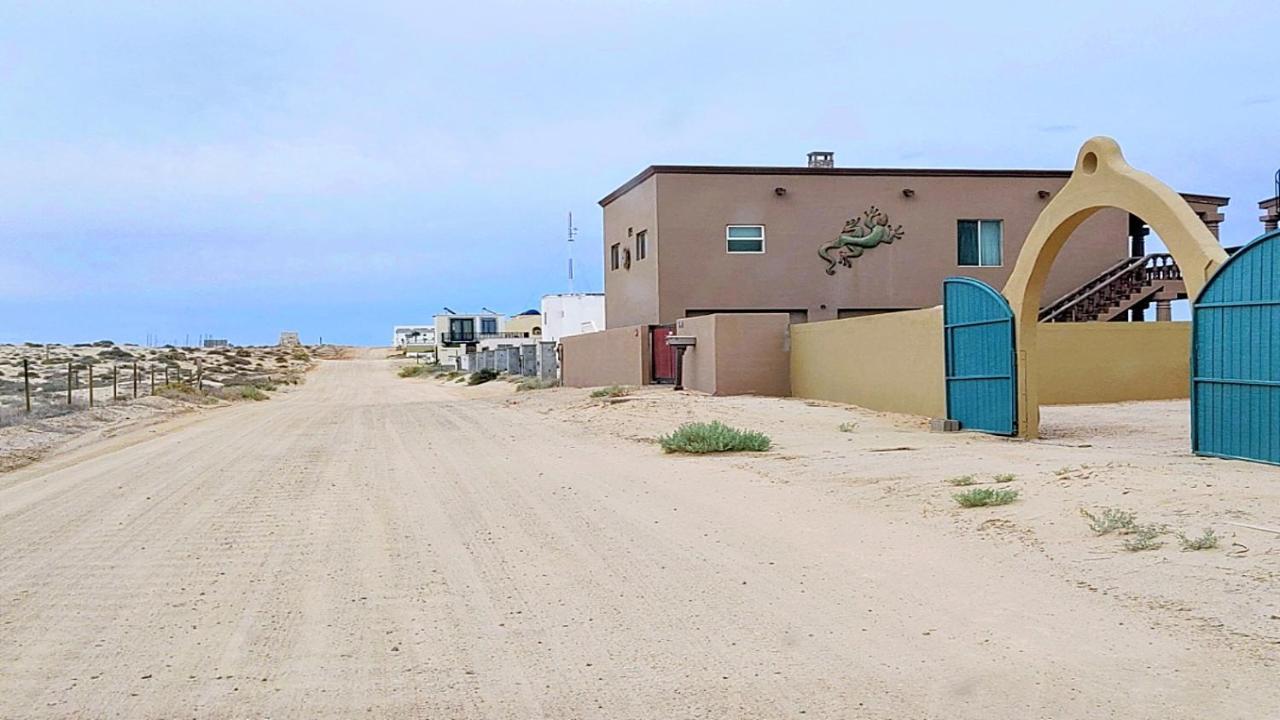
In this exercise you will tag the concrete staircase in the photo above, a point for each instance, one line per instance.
(1130, 283)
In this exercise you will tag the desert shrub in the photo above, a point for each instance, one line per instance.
(962, 480)
(535, 384)
(244, 392)
(412, 371)
(1110, 520)
(613, 391)
(182, 391)
(848, 426)
(1207, 541)
(982, 497)
(480, 377)
(1143, 537)
(713, 437)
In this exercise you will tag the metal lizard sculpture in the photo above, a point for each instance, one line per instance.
(859, 234)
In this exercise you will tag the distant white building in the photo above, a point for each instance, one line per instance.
(406, 335)
(566, 314)
(289, 338)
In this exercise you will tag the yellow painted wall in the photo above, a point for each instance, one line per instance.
(892, 362)
(522, 323)
(1113, 362)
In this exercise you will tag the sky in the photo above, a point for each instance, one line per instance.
(234, 169)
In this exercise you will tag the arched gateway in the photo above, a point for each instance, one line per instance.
(1101, 179)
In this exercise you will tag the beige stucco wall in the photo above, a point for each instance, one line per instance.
(610, 357)
(1113, 362)
(523, 324)
(738, 354)
(892, 362)
(698, 275)
(631, 296)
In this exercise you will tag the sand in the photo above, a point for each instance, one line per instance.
(379, 547)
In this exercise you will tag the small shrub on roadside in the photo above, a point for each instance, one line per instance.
(243, 392)
(1110, 520)
(182, 391)
(480, 377)
(1144, 537)
(613, 391)
(412, 371)
(983, 497)
(1004, 477)
(962, 480)
(535, 384)
(713, 437)
(848, 426)
(1206, 541)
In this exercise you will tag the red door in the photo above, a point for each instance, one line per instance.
(664, 356)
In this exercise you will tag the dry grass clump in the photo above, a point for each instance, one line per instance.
(713, 437)
(1206, 541)
(613, 391)
(535, 384)
(412, 371)
(1110, 520)
(183, 392)
(480, 377)
(962, 480)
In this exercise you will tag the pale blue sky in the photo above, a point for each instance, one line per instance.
(239, 168)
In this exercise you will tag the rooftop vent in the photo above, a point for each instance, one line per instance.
(822, 159)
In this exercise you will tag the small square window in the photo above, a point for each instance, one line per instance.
(489, 325)
(980, 243)
(744, 238)
(642, 244)
(615, 256)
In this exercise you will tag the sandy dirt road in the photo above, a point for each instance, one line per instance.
(371, 547)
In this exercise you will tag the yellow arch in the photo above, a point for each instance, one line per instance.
(1101, 179)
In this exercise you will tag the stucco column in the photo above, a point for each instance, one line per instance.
(1164, 311)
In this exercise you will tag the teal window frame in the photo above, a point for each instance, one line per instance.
(978, 240)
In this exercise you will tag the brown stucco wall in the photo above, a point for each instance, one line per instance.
(631, 296)
(738, 354)
(619, 356)
(892, 362)
(1114, 362)
(688, 268)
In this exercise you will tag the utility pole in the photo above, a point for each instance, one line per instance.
(26, 383)
(573, 233)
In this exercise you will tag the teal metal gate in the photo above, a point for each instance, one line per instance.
(981, 370)
(1235, 357)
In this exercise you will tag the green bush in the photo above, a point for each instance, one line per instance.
(1144, 537)
(1207, 541)
(962, 480)
(480, 377)
(412, 371)
(535, 384)
(1110, 520)
(613, 391)
(713, 437)
(1004, 477)
(244, 392)
(982, 497)
(848, 426)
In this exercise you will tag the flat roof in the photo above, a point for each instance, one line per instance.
(856, 172)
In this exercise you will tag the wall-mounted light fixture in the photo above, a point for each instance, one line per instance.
(629, 231)
(1043, 194)
(779, 191)
(908, 192)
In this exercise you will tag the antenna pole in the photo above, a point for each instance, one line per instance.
(573, 233)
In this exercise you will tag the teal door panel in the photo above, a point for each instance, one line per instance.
(1235, 357)
(981, 382)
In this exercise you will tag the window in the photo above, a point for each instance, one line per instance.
(642, 244)
(488, 325)
(980, 242)
(744, 238)
(615, 256)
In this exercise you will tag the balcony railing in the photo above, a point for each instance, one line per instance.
(470, 337)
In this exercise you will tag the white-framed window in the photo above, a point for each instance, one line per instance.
(642, 244)
(744, 238)
(980, 243)
(615, 256)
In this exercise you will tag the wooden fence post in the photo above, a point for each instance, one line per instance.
(135, 379)
(26, 383)
(153, 379)
(69, 382)
(199, 376)
(115, 381)
(90, 384)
